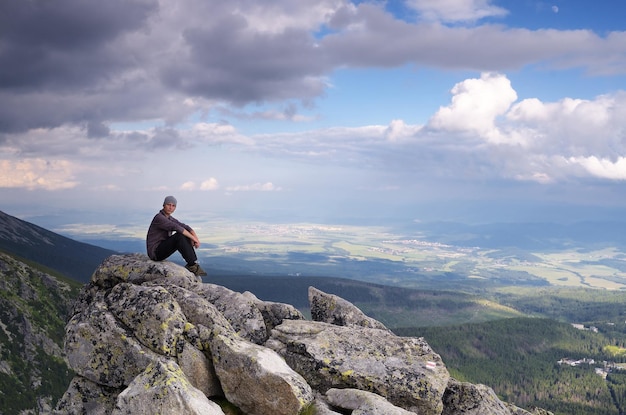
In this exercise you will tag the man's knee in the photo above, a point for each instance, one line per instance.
(181, 239)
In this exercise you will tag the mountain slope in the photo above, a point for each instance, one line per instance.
(74, 259)
(519, 358)
(34, 307)
(393, 306)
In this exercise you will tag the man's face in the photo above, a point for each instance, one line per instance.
(169, 208)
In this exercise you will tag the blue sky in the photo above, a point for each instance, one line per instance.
(317, 110)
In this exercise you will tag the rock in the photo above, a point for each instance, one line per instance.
(257, 379)
(329, 308)
(406, 371)
(363, 403)
(86, 397)
(154, 317)
(163, 389)
(321, 406)
(148, 337)
(240, 311)
(514, 410)
(199, 370)
(198, 310)
(138, 268)
(99, 349)
(469, 399)
(275, 313)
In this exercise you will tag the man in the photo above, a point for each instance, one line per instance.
(167, 235)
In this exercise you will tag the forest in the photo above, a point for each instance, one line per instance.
(519, 358)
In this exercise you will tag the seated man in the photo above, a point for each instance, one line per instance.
(167, 235)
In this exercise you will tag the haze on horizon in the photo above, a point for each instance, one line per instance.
(321, 111)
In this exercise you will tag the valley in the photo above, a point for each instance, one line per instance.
(419, 259)
(430, 255)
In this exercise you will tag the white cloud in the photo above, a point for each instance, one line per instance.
(456, 10)
(476, 104)
(188, 186)
(210, 184)
(399, 130)
(278, 16)
(38, 174)
(603, 168)
(256, 187)
(574, 127)
(213, 133)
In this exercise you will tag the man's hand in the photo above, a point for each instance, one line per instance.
(195, 242)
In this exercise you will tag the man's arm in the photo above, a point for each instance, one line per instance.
(192, 235)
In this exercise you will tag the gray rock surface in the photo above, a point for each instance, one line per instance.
(257, 379)
(149, 337)
(86, 397)
(363, 403)
(163, 389)
(406, 371)
(329, 308)
(470, 399)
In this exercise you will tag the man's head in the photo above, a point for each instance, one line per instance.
(169, 205)
(170, 200)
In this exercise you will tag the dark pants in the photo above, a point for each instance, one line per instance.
(177, 242)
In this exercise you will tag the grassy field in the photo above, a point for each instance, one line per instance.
(377, 254)
(411, 257)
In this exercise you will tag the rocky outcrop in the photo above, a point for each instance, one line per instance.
(405, 371)
(335, 310)
(149, 337)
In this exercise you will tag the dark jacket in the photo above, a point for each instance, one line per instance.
(161, 228)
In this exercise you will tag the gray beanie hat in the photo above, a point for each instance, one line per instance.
(170, 199)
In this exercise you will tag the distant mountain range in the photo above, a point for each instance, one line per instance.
(73, 259)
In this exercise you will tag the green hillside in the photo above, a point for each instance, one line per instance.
(519, 359)
(34, 306)
(393, 306)
(569, 304)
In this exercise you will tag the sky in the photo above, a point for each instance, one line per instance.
(315, 110)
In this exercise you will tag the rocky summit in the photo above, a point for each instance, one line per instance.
(149, 337)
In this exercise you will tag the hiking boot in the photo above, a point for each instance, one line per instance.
(197, 271)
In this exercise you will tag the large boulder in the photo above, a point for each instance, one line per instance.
(406, 371)
(199, 370)
(100, 349)
(86, 397)
(470, 399)
(137, 269)
(155, 318)
(163, 389)
(256, 379)
(362, 403)
(329, 308)
(240, 311)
